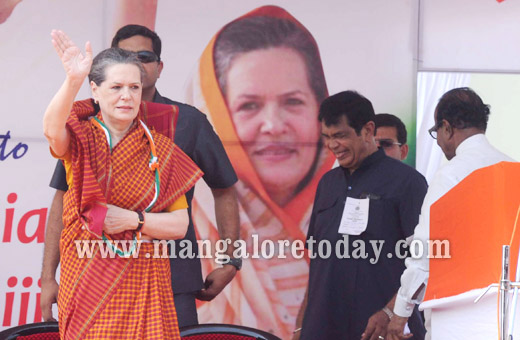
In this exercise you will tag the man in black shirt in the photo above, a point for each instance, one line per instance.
(362, 209)
(196, 137)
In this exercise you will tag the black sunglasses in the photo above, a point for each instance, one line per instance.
(147, 57)
(387, 143)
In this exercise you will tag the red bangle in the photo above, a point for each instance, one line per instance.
(140, 220)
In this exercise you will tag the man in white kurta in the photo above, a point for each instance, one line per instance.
(460, 125)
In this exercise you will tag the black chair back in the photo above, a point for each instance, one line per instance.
(32, 331)
(224, 332)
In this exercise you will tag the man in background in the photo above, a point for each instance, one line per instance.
(391, 136)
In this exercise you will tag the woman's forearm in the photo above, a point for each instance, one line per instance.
(166, 226)
(162, 226)
(56, 115)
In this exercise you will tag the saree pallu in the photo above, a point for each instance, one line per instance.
(123, 298)
(267, 292)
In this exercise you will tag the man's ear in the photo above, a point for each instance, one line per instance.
(159, 69)
(404, 151)
(370, 131)
(449, 129)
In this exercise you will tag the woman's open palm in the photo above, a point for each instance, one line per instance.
(76, 65)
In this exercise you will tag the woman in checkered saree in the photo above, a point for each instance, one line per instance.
(126, 188)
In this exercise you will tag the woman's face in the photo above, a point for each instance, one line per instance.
(275, 115)
(119, 95)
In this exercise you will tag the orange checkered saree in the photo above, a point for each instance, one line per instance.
(266, 293)
(123, 298)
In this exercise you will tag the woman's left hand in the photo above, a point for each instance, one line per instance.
(118, 220)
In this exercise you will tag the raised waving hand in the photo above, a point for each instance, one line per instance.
(76, 65)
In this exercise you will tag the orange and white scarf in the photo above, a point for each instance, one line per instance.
(266, 293)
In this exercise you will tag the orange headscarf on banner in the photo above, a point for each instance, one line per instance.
(256, 297)
(216, 107)
(477, 217)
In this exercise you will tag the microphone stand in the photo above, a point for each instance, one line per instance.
(505, 286)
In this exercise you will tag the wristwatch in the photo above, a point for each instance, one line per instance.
(140, 220)
(388, 312)
(237, 263)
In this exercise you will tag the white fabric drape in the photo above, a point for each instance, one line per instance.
(430, 87)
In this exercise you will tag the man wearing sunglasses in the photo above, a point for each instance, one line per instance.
(196, 137)
(144, 42)
(391, 136)
(460, 125)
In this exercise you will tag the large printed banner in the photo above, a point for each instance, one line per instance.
(261, 101)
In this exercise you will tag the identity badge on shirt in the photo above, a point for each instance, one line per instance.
(355, 216)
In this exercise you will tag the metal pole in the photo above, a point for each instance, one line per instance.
(505, 286)
(515, 299)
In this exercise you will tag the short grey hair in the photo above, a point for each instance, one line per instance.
(109, 57)
(263, 32)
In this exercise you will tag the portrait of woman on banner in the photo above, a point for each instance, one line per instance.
(260, 81)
